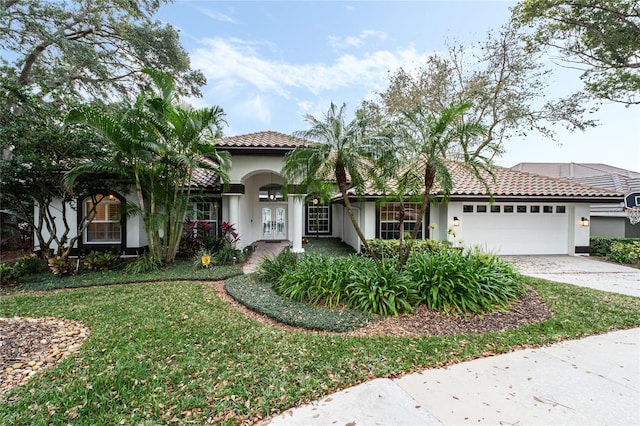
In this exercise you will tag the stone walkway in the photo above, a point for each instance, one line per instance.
(263, 249)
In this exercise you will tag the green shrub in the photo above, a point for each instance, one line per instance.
(315, 279)
(354, 281)
(212, 243)
(445, 280)
(29, 265)
(624, 252)
(386, 249)
(272, 267)
(144, 263)
(61, 267)
(381, 289)
(228, 255)
(8, 276)
(102, 260)
(601, 246)
(450, 281)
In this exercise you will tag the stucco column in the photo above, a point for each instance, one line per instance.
(233, 203)
(296, 204)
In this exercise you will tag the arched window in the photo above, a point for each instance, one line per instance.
(105, 219)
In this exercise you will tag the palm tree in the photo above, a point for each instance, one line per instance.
(157, 144)
(188, 136)
(339, 154)
(428, 146)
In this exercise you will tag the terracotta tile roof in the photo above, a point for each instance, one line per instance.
(513, 183)
(267, 139)
(206, 179)
(510, 182)
(593, 174)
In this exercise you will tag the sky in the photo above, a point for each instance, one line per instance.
(269, 63)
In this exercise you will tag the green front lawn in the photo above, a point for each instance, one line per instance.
(174, 352)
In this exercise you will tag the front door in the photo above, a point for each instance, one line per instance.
(274, 223)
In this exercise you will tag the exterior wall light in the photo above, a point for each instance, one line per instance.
(456, 221)
(584, 221)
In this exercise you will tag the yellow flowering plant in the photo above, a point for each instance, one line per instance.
(204, 259)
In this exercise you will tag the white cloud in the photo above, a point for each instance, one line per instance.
(356, 41)
(254, 108)
(216, 15)
(231, 63)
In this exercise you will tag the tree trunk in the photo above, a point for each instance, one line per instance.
(429, 178)
(25, 73)
(341, 178)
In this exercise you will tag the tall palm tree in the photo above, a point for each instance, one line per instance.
(157, 144)
(339, 154)
(428, 145)
(189, 135)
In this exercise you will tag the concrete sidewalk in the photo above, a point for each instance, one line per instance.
(595, 380)
(592, 381)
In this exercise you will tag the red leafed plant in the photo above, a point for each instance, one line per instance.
(229, 233)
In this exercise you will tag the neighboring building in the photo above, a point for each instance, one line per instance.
(529, 213)
(607, 219)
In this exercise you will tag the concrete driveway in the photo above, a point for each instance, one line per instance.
(580, 270)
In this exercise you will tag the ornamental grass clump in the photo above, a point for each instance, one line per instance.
(445, 280)
(317, 279)
(353, 281)
(272, 267)
(462, 283)
(382, 289)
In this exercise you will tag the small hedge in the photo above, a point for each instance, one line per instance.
(387, 249)
(261, 297)
(621, 250)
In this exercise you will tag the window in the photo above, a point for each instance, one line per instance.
(105, 223)
(547, 209)
(389, 224)
(271, 192)
(561, 209)
(521, 209)
(207, 212)
(495, 209)
(508, 209)
(534, 209)
(467, 208)
(481, 209)
(317, 218)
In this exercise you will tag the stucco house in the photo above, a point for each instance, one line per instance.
(529, 213)
(607, 219)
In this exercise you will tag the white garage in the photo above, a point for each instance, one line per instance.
(515, 213)
(516, 228)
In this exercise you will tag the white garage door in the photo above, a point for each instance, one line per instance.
(516, 229)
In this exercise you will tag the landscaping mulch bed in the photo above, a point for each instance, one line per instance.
(29, 345)
(529, 309)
